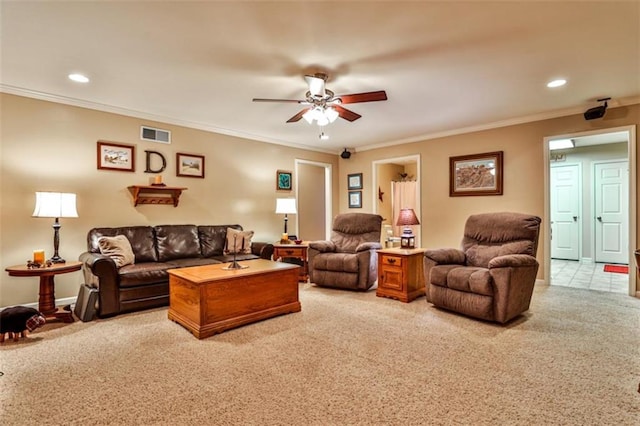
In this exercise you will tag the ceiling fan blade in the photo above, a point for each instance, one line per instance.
(354, 98)
(279, 100)
(298, 116)
(347, 114)
(316, 84)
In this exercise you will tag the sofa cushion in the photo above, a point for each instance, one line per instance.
(117, 248)
(143, 274)
(141, 238)
(238, 241)
(191, 261)
(213, 239)
(177, 242)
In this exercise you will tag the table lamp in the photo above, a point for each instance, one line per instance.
(407, 218)
(285, 206)
(56, 205)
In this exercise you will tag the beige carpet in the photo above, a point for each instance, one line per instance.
(347, 358)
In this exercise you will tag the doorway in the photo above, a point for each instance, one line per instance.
(384, 172)
(313, 195)
(606, 216)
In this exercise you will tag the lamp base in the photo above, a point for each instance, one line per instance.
(57, 259)
(234, 265)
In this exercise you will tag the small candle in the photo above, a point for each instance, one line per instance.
(157, 179)
(38, 256)
(285, 236)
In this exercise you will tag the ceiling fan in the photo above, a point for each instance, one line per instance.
(323, 105)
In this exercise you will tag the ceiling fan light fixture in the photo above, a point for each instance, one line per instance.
(331, 114)
(308, 116)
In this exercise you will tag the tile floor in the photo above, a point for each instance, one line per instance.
(591, 276)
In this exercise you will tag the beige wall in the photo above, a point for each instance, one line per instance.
(442, 216)
(52, 147)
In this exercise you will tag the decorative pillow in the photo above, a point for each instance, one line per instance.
(118, 248)
(238, 242)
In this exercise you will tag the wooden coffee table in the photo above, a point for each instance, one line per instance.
(209, 299)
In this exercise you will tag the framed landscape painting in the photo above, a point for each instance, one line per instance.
(189, 165)
(115, 156)
(477, 174)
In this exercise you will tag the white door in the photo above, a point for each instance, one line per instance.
(611, 212)
(565, 207)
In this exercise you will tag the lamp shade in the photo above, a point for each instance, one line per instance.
(286, 206)
(55, 204)
(407, 217)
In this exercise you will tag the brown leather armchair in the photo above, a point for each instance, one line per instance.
(493, 275)
(349, 260)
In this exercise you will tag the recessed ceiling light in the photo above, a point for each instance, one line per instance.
(79, 78)
(557, 83)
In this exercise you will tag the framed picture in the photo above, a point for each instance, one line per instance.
(355, 199)
(189, 165)
(478, 174)
(284, 180)
(115, 156)
(354, 181)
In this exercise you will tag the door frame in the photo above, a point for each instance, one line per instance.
(580, 199)
(328, 192)
(631, 155)
(405, 159)
(593, 213)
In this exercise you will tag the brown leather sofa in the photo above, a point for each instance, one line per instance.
(349, 260)
(493, 275)
(145, 283)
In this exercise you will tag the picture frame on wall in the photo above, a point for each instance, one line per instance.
(355, 199)
(284, 180)
(116, 156)
(189, 165)
(477, 174)
(354, 181)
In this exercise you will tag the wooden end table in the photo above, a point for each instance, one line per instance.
(400, 274)
(47, 299)
(297, 251)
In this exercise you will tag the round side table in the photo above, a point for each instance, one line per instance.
(47, 299)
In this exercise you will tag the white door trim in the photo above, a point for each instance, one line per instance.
(631, 155)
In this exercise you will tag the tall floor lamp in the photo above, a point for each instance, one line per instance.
(286, 206)
(56, 205)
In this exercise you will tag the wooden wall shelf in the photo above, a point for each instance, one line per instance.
(152, 194)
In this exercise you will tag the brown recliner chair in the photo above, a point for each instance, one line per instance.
(349, 260)
(492, 277)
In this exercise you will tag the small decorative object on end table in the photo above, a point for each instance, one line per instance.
(400, 274)
(47, 300)
(297, 251)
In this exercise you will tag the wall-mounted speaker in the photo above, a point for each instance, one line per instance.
(345, 154)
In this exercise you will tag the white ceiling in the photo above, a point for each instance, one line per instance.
(446, 66)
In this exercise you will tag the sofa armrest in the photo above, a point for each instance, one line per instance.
(368, 246)
(446, 256)
(323, 246)
(264, 250)
(513, 261)
(101, 271)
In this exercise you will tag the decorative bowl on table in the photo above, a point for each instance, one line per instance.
(297, 241)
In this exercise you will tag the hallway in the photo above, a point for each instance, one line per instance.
(571, 273)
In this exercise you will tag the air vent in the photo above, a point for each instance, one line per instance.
(155, 135)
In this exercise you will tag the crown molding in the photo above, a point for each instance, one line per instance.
(504, 123)
(12, 90)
